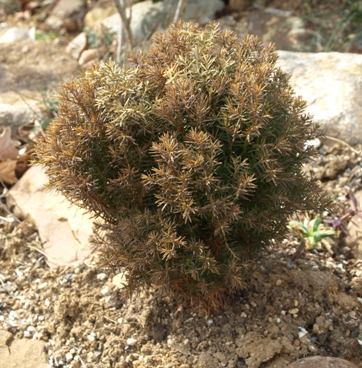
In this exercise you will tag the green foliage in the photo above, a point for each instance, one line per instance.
(104, 37)
(45, 36)
(313, 234)
(191, 155)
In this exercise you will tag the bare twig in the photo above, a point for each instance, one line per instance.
(120, 41)
(181, 5)
(343, 142)
(126, 21)
(299, 251)
(48, 258)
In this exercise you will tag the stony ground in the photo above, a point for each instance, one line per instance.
(296, 307)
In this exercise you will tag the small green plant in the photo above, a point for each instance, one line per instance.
(45, 36)
(313, 233)
(192, 155)
(104, 37)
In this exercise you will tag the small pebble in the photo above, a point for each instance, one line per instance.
(352, 314)
(293, 311)
(101, 276)
(68, 276)
(68, 357)
(279, 282)
(302, 332)
(131, 341)
(105, 291)
(42, 286)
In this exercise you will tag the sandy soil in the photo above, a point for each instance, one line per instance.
(299, 307)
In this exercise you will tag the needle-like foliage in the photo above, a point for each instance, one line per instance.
(192, 156)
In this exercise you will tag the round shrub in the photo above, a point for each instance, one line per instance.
(192, 156)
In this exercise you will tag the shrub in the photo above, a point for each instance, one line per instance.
(192, 156)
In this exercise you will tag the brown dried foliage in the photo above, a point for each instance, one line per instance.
(192, 156)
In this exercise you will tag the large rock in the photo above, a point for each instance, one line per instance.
(64, 229)
(15, 353)
(148, 16)
(321, 362)
(331, 83)
(17, 34)
(63, 10)
(97, 15)
(77, 45)
(202, 11)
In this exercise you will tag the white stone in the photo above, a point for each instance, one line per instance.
(120, 280)
(77, 45)
(15, 34)
(131, 341)
(101, 276)
(105, 291)
(331, 84)
(68, 357)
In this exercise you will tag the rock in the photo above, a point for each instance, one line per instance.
(148, 16)
(21, 352)
(63, 10)
(356, 46)
(5, 338)
(284, 30)
(64, 229)
(321, 362)
(331, 83)
(89, 57)
(120, 280)
(239, 5)
(202, 11)
(17, 34)
(354, 241)
(97, 15)
(15, 111)
(77, 45)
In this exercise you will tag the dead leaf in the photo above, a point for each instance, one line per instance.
(7, 145)
(7, 172)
